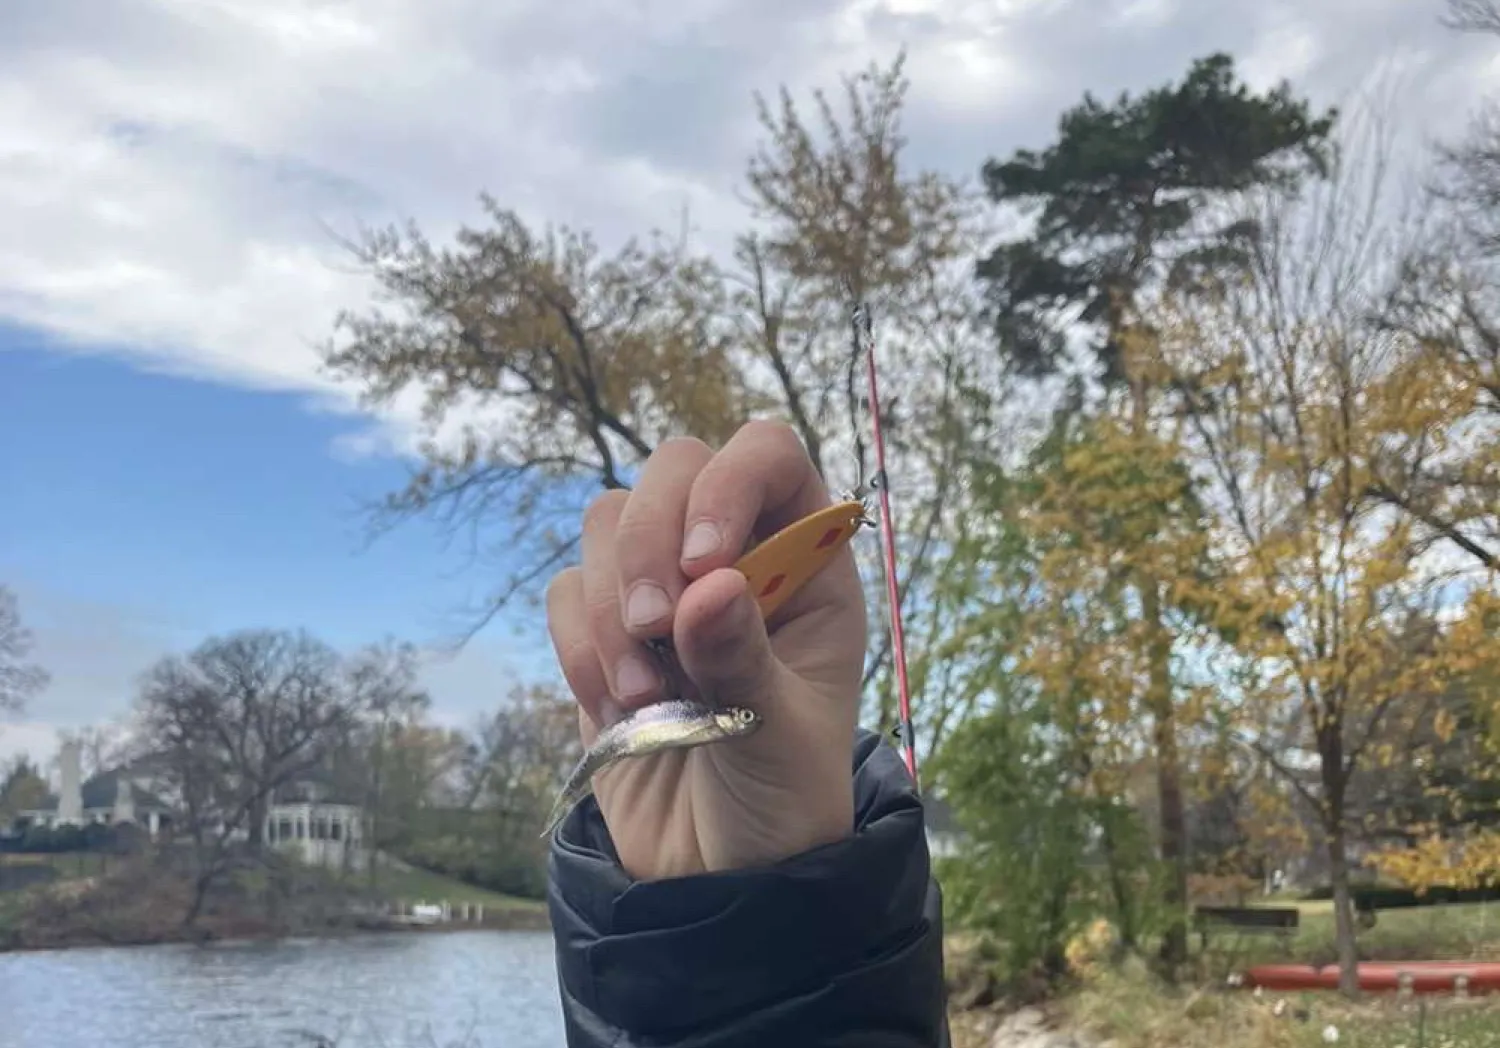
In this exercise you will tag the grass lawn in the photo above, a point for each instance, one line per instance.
(409, 886)
(1133, 1010)
(1421, 1024)
(1461, 931)
(418, 885)
(68, 865)
(1129, 1008)
(1446, 932)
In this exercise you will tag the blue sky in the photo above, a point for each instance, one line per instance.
(217, 506)
(174, 172)
(180, 508)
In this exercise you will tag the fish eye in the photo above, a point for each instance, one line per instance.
(745, 716)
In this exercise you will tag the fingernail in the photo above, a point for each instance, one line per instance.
(647, 603)
(702, 540)
(634, 677)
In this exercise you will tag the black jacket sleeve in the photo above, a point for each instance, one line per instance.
(838, 946)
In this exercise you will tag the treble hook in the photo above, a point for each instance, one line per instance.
(861, 492)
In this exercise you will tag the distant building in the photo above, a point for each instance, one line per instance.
(943, 835)
(120, 795)
(307, 818)
(312, 821)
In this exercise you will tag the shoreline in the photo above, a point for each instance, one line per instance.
(516, 920)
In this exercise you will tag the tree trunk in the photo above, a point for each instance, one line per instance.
(1168, 778)
(1055, 956)
(255, 824)
(372, 848)
(1334, 783)
(201, 884)
(1159, 701)
(1343, 913)
(1125, 914)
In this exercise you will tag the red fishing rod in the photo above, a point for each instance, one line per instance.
(864, 341)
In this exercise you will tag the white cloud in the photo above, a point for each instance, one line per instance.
(170, 170)
(1144, 14)
(1287, 50)
(169, 194)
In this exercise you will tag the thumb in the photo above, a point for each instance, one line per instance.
(722, 644)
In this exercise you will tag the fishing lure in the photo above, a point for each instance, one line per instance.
(781, 565)
(651, 729)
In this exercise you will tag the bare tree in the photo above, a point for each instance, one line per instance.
(522, 753)
(547, 367)
(101, 746)
(239, 718)
(1448, 300)
(1473, 16)
(484, 819)
(19, 679)
(392, 758)
(843, 218)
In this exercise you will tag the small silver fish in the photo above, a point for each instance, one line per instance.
(662, 726)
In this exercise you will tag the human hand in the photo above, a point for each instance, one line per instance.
(657, 564)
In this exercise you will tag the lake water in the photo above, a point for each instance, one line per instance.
(398, 990)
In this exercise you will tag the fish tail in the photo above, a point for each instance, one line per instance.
(580, 784)
(560, 808)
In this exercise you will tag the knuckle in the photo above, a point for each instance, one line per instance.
(604, 509)
(577, 660)
(775, 432)
(601, 612)
(682, 447)
(636, 540)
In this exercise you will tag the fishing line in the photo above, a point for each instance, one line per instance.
(864, 341)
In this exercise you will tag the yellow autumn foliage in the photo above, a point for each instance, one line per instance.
(1347, 628)
(1088, 952)
(1440, 862)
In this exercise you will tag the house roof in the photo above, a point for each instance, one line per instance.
(101, 790)
(313, 789)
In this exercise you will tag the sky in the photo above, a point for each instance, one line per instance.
(175, 176)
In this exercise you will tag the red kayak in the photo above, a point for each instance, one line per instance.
(1426, 976)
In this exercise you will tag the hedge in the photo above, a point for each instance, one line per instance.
(1383, 897)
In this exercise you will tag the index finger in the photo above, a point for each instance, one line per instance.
(760, 482)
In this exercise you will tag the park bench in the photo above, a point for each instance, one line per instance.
(1246, 920)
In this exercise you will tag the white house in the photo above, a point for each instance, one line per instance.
(306, 818)
(311, 821)
(127, 794)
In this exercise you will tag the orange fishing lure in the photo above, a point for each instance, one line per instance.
(781, 565)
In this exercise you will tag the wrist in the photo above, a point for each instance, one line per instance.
(819, 818)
